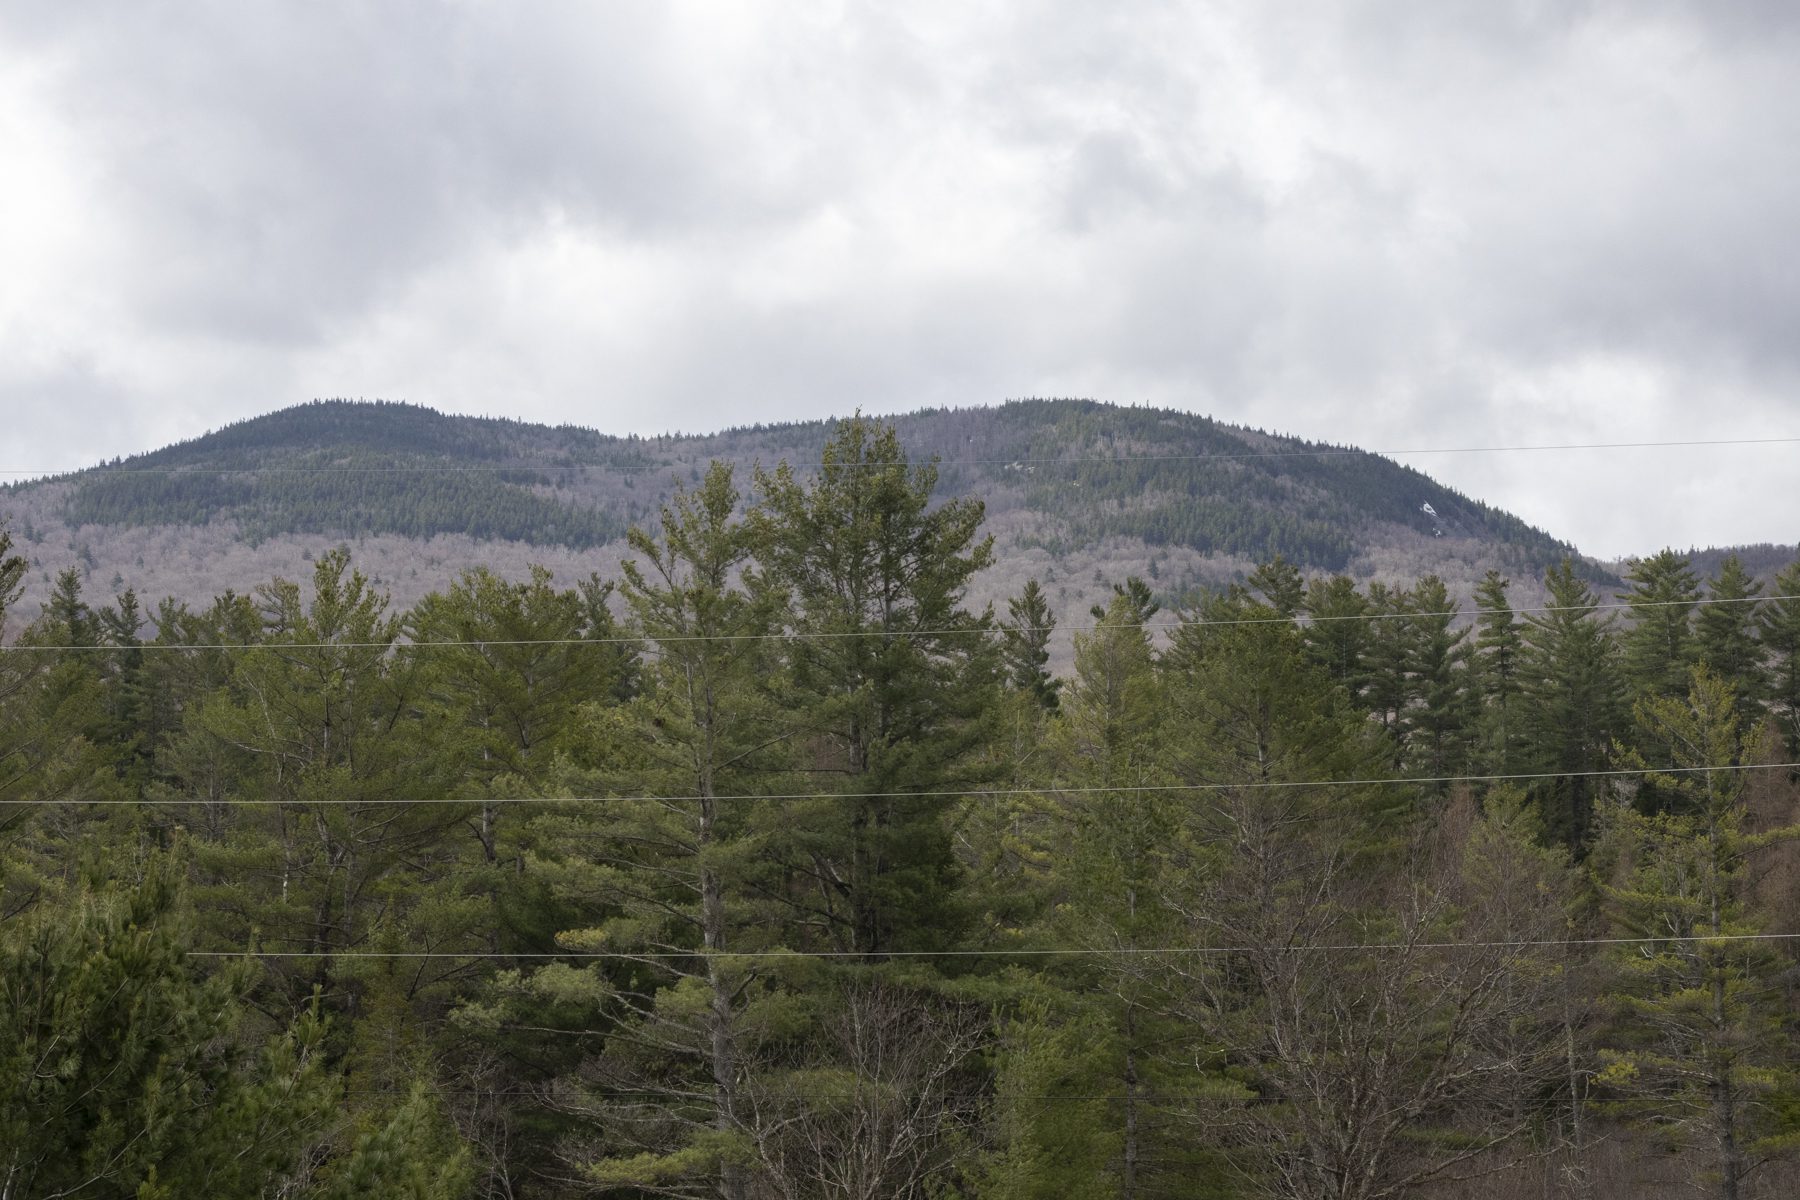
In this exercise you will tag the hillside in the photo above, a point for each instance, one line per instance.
(1077, 493)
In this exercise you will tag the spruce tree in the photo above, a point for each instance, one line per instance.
(1383, 686)
(1659, 644)
(1573, 705)
(1725, 632)
(1780, 628)
(1281, 586)
(1494, 668)
(1337, 636)
(1436, 718)
(1699, 1049)
(1026, 646)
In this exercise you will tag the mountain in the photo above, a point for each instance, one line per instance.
(1078, 493)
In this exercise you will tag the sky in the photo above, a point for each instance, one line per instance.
(1392, 225)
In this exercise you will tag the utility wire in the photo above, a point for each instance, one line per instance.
(1078, 460)
(1011, 952)
(826, 635)
(974, 794)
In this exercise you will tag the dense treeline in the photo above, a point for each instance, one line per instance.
(373, 495)
(772, 870)
(1194, 482)
(333, 466)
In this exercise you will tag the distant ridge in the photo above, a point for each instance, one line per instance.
(1069, 484)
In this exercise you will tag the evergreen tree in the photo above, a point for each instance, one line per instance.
(130, 714)
(1106, 737)
(1725, 630)
(1141, 605)
(1435, 720)
(1279, 583)
(1781, 639)
(1495, 672)
(1026, 646)
(1572, 703)
(1054, 1136)
(1659, 644)
(1699, 1048)
(506, 668)
(125, 1069)
(673, 876)
(1337, 636)
(893, 678)
(341, 811)
(1382, 684)
(13, 569)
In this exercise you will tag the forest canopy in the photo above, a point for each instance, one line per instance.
(773, 868)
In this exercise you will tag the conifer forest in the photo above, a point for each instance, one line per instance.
(771, 869)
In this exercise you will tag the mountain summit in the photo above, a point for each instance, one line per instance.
(1072, 488)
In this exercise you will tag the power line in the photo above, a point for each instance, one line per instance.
(36, 474)
(1012, 951)
(946, 794)
(827, 635)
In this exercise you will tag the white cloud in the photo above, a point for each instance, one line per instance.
(1381, 224)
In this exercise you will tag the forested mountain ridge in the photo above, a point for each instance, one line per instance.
(1072, 489)
(776, 870)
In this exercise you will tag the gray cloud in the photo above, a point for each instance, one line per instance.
(1394, 225)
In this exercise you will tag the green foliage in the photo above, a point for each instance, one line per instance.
(1700, 1048)
(785, 730)
(1659, 645)
(337, 467)
(1026, 646)
(1054, 1136)
(1573, 704)
(129, 1069)
(1780, 629)
(893, 677)
(1497, 677)
(1175, 479)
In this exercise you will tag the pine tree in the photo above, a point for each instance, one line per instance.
(1572, 703)
(1659, 645)
(13, 569)
(1279, 583)
(1434, 723)
(678, 876)
(1026, 646)
(507, 669)
(1699, 1046)
(1494, 668)
(127, 1069)
(893, 679)
(1337, 636)
(1781, 638)
(1141, 605)
(1725, 630)
(1106, 737)
(349, 797)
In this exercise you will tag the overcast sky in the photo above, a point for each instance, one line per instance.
(1393, 225)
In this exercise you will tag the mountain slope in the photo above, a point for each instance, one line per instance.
(1071, 486)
